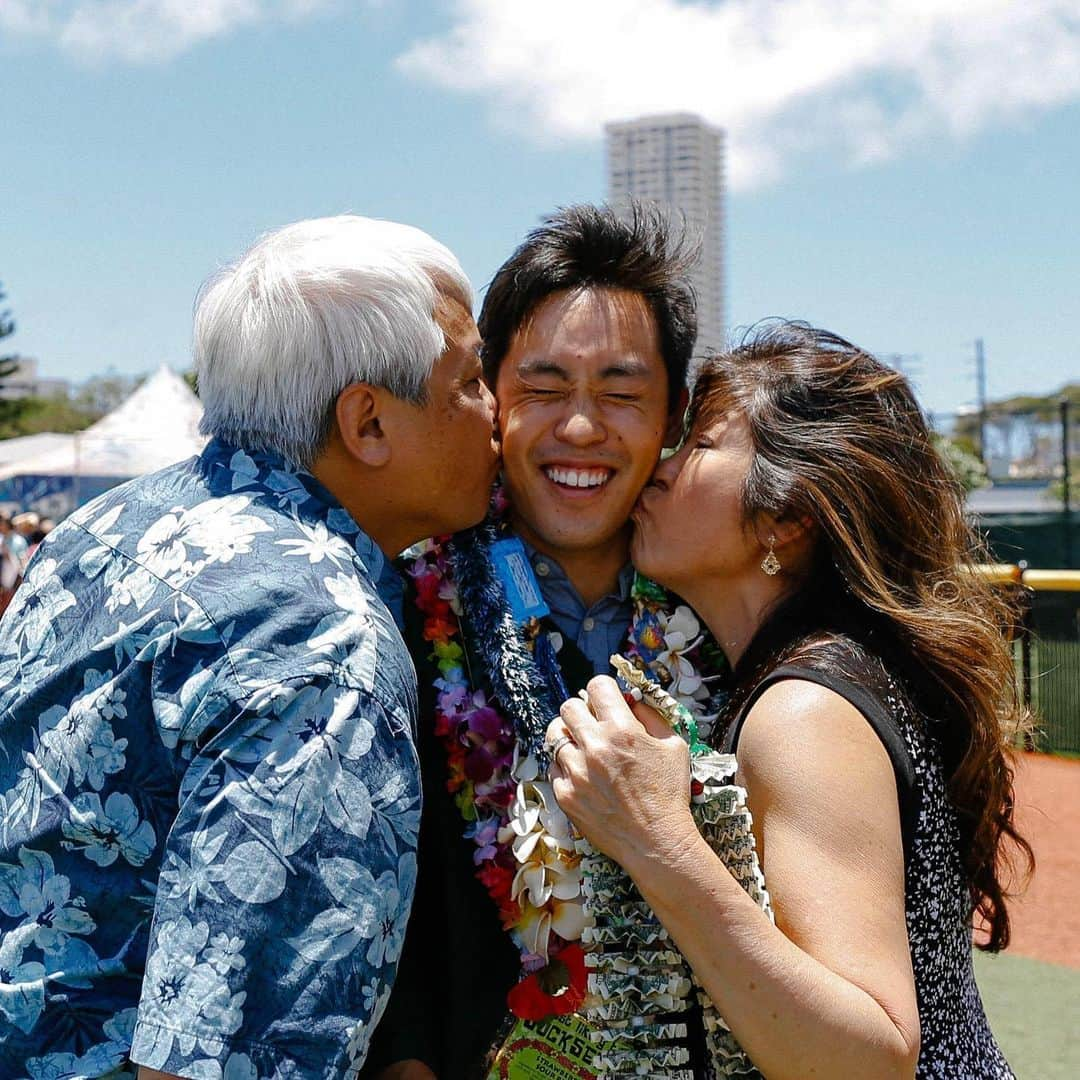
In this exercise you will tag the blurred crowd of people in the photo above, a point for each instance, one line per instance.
(20, 535)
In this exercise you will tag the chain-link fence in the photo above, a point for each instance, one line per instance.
(1051, 658)
(1046, 640)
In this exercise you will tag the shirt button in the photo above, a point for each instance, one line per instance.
(543, 569)
(588, 623)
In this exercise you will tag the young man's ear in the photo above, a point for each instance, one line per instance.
(360, 413)
(674, 433)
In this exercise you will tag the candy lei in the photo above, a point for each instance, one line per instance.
(525, 853)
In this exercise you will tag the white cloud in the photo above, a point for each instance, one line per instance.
(862, 78)
(142, 31)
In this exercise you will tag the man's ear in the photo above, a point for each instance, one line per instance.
(674, 433)
(360, 414)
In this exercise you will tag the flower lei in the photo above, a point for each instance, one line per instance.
(524, 850)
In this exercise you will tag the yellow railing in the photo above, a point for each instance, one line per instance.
(1052, 580)
(1040, 580)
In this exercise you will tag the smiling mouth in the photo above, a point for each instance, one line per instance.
(578, 478)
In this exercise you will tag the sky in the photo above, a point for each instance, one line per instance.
(904, 172)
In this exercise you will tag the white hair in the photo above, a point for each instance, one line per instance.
(310, 309)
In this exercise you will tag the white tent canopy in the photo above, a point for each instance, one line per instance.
(28, 447)
(156, 426)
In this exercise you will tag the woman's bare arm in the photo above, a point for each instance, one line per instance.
(829, 990)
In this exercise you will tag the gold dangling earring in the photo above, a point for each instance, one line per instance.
(771, 564)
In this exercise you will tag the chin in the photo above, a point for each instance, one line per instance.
(654, 569)
(468, 521)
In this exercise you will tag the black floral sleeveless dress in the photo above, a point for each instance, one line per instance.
(957, 1043)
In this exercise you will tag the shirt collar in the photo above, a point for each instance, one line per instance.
(230, 469)
(623, 585)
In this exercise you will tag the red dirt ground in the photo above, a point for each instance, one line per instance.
(1046, 918)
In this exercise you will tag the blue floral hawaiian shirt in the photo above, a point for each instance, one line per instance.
(210, 793)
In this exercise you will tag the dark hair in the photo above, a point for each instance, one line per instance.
(839, 439)
(581, 247)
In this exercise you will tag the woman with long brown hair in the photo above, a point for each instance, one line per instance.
(811, 523)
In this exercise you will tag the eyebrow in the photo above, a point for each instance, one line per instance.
(627, 368)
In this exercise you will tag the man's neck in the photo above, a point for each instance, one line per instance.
(593, 572)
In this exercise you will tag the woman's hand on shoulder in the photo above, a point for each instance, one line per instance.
(624, 779)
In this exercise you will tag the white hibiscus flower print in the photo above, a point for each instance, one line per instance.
(79, 742)
(376, 997)
(199, 877)
(103, 834)
(226, 953)
(320, 731)
(161, 548)
(348, 637)
(184, 998)
(393, 899)
(33, 890)
(133, 588)
(33, 613)
(316, 544)
(49, 907)
(237, 1067)
(22, 986)
(215, 527)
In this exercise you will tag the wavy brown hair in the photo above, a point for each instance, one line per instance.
(839, 439)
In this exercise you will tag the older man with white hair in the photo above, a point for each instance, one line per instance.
(209, 781)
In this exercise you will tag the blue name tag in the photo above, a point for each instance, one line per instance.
(518, 580)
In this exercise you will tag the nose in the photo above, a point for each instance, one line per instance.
(667, 469)
(580, 425)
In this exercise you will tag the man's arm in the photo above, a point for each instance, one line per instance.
(286, 883)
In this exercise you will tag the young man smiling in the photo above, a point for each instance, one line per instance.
(588, 330)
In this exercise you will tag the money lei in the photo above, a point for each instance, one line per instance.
(639, 985)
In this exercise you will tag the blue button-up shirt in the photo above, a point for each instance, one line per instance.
(598, 629)
(206, 718)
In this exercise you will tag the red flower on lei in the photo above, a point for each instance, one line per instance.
(555, 990)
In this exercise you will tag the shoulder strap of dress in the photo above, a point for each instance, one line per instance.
(877, 715)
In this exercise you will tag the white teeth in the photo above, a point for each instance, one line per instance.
(580, 478)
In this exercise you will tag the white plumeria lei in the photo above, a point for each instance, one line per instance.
(547, 885)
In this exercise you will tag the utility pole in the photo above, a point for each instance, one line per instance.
(980, 389)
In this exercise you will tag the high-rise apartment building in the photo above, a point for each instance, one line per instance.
(677, 161)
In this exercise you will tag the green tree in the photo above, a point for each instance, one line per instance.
(1037, 407)
(7, 328)
(36, 415)
(9, 410)
(966, 467)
